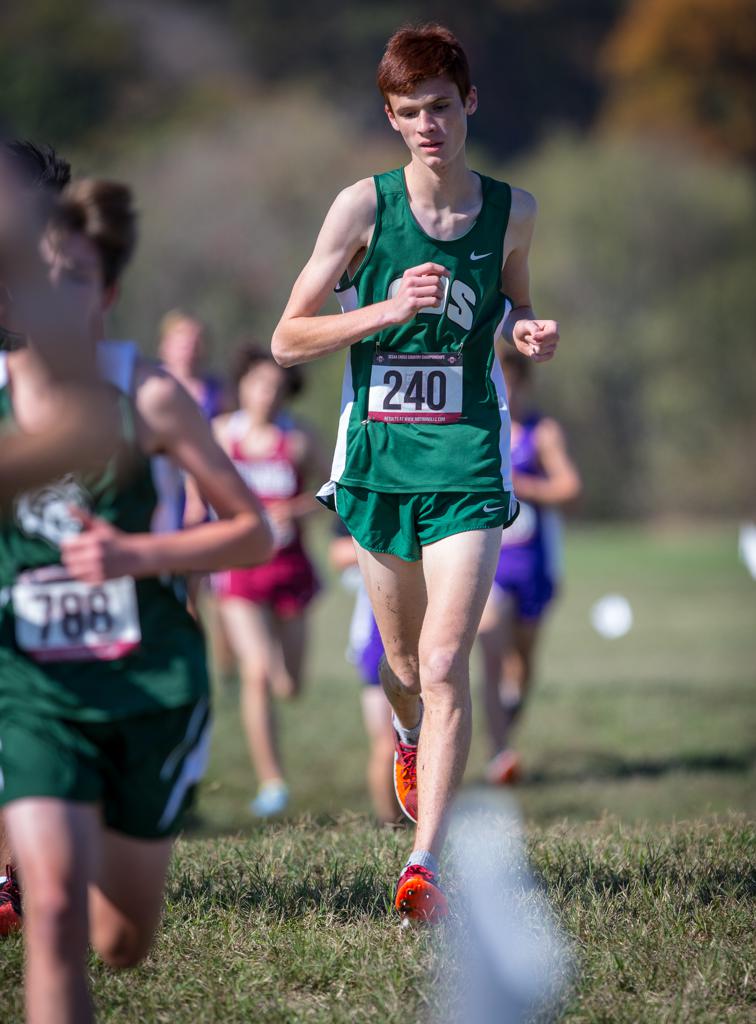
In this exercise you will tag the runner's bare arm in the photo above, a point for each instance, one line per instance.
(195, 507)
(303, 335)
(534, 338)
(173, 425)
(561, 482)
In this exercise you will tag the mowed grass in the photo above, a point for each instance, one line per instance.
(638, 801)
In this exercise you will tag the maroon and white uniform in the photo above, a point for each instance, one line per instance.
(287, 583)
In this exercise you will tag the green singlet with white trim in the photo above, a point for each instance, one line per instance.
(165, 669)
(423, 404)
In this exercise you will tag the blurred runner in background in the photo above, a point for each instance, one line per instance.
(183, 349)
(265, 609)
(544, 478)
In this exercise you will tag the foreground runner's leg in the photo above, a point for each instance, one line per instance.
(56, 844)
(458, 572)
(126, 896)
(437, 657)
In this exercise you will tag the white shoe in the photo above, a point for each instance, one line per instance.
(272, 798)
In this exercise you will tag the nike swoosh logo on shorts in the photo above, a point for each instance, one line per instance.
(495, 508)
(479, 255)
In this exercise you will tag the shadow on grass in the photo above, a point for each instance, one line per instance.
(654, 874)
(273, 888)
(610, 766)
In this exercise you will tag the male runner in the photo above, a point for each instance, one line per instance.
(30, 177)
(28, 174)
(424, 258)
(104, 716)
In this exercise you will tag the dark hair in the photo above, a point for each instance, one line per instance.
(104, 212)
(250, 354)
(417, 52)
(38, 166)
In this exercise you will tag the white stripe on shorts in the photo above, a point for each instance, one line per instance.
(192, 770)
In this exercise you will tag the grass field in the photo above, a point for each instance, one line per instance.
(638, 801)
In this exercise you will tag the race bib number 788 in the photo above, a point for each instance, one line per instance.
(61, 619)
(407, 387)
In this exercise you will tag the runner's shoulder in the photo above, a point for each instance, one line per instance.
(161, 400)
(355, 206)
(524, 207)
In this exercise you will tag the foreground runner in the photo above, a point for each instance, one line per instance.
(423, 258)
(104, 716)
(30, 178)
(527, 575)
(264, 610)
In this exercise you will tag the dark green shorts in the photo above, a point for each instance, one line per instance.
(403, 524)
(142, 770)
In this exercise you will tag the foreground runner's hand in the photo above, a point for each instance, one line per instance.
(420, 287)
(100, 552)
(536, 339)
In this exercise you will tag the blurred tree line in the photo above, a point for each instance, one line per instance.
(632, 121)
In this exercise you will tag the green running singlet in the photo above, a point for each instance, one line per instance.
(424, 407)
(91, 654)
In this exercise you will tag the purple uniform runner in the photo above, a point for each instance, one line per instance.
(528, 565)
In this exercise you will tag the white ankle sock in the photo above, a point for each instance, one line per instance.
(410, 736)
(424, 859)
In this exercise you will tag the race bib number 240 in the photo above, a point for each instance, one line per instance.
(408, 387)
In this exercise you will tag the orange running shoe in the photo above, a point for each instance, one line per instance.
(419, 897)
(10, 903)
(504, 769)
(405, 776)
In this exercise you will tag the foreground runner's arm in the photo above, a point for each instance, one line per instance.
(534, 338)
(174, 426)
(301, 334)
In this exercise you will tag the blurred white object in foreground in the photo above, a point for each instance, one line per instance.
(612, 616)
(506, 959)
(747, 547)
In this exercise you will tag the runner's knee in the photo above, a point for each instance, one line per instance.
(121, 946)
(442, 670)
(400, 674)
(56, 917)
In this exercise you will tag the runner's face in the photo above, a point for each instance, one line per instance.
(75, 264)
(183, 346)
(262, 390)
(432, 120)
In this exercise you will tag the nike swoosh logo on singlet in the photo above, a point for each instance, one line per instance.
(494, 508)
(479, 255)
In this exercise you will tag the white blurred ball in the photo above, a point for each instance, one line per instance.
(612, 616)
